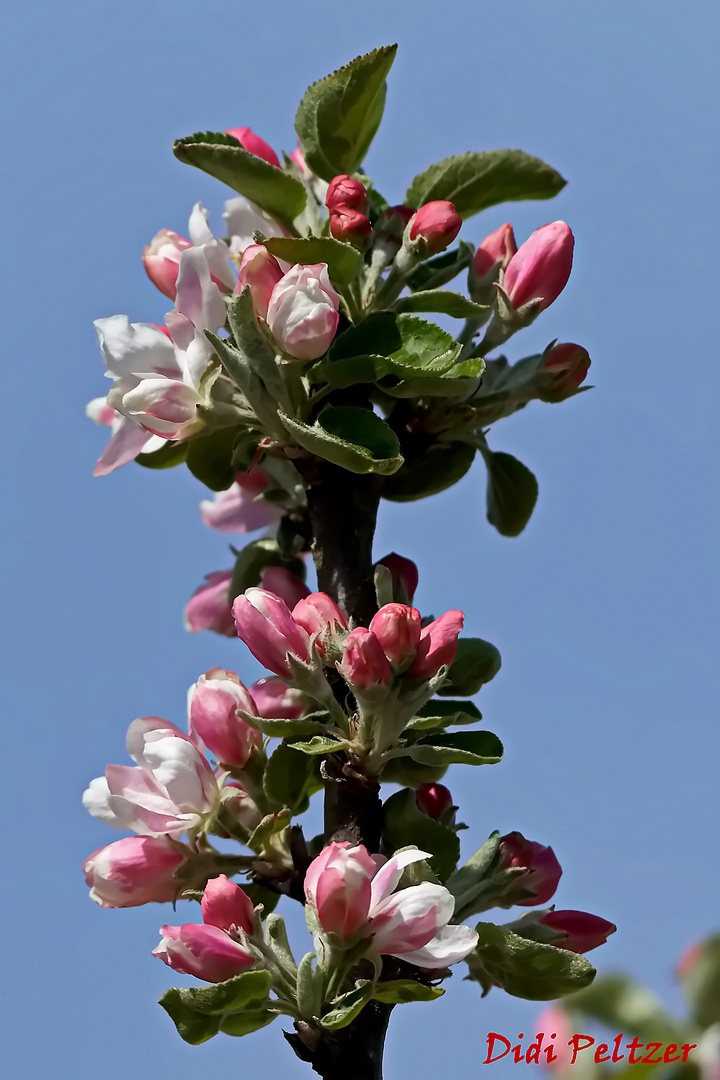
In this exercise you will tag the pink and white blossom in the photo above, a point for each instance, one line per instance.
(352, 894)
(170, 790)
(238, 509)
(303, 311)
(275, 700)
(209, 607)
(135, 870)
(243, 219)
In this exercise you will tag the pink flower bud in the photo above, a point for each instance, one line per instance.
(345, 193)
(434, 799)
(541, 267)
(285, 584)
(276, 701)
(405, 575)
(254, 144)
(265, 624)
(225, 905)
(544, 871)
(209, 607)
(261, 272)
(135, 870)
(364, 664)
(303, 311)
(350, 225)
(566, 365)
(206, 952)
(495, 251)
(438, 645)
(338, 885)
(436, 225)
(299, 158)
(320, 616)
(161, 259)
(397, 628)
(213, 704)
(582, 931)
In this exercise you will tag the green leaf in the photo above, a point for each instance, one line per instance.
(405, 825)
(309, 987)
(460, 380)
(210, 457)
(441, 714)
(512, 492)
(199, 1013)
(435, 273)
(478, 179)
(403, 991)
(167, 457)
(222, 156)
(195, 1028)
(464, 883)
(244, 1023)
(290, 778)
(701, 982)
(291, 729)
(354, 438)
(253, 559)
(267, 827)
(445, 302)
(423, 475)
(260, 895)
(338, 116)
(476, 663)
(461, 748)
(320, 744)
(527, 969)
(344, 262)
(255, 347)
(409, 773)
(276, 935)
(239, 369)
(348, 1006)
(229, 996)
(620, 1003)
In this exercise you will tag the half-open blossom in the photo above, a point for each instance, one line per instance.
(161, 259)
(281, 581)
(260, 272)
(170, 790)
(353, 896)
(543, 869)
(238, 509)
(404, 573)
(264, 623)
(541, 266)
(495, 251)
(435, 225)
(397, 628)
(438, 645)
(275, 700)
(303, 311)
(209, 607)
(135, 870)
(364, 663)
(434, 799)
(213, 702)
(580, 930)
(254, 144)
(344, 191)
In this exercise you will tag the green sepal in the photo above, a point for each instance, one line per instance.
(320, 744)
(309, 987)
(210, 457)
(338, 116)
(460, 748)
(403, 991)
(426, 474)
(167, 457)
(405, 825)
(526, 969)
(222, 156)
(435, 715)
(475, 180)
(291, 778)
(354, 438)
(512, 492)
(344, 262)
(476, 663)
(276, 936)
(436, 272)
(348, 1006)
(252, 560)
(444, 302)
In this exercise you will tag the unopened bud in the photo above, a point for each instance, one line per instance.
(434, 799)
(435, 226)
(350, 225)
(345, 193)
(254, 144)
(261, 272)
(541, 266)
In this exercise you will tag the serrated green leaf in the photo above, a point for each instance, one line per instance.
(167, 457)
(427, 473)
(436, 272)
(443, 301)
(464, 883)
(441, 714)
(221, 156)
(527, 969)
(338, 116)
(403, 991)
(512, 492)
(348, 1006)
(238, 367)
(478, 179)
(354, 438)
(255, 347)
(210, 457)
(460, 748)
(405, 825)
(291, 777)
(476, 663)
(344, 262)
(320, 744)
(252, 560)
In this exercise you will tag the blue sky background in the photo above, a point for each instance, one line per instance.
(605, 609)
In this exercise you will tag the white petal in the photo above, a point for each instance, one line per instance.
(95, 800)
(450, 945)
(126, 443)
(387, 877)
(135, 348)
(198, 297)
(242, 218)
